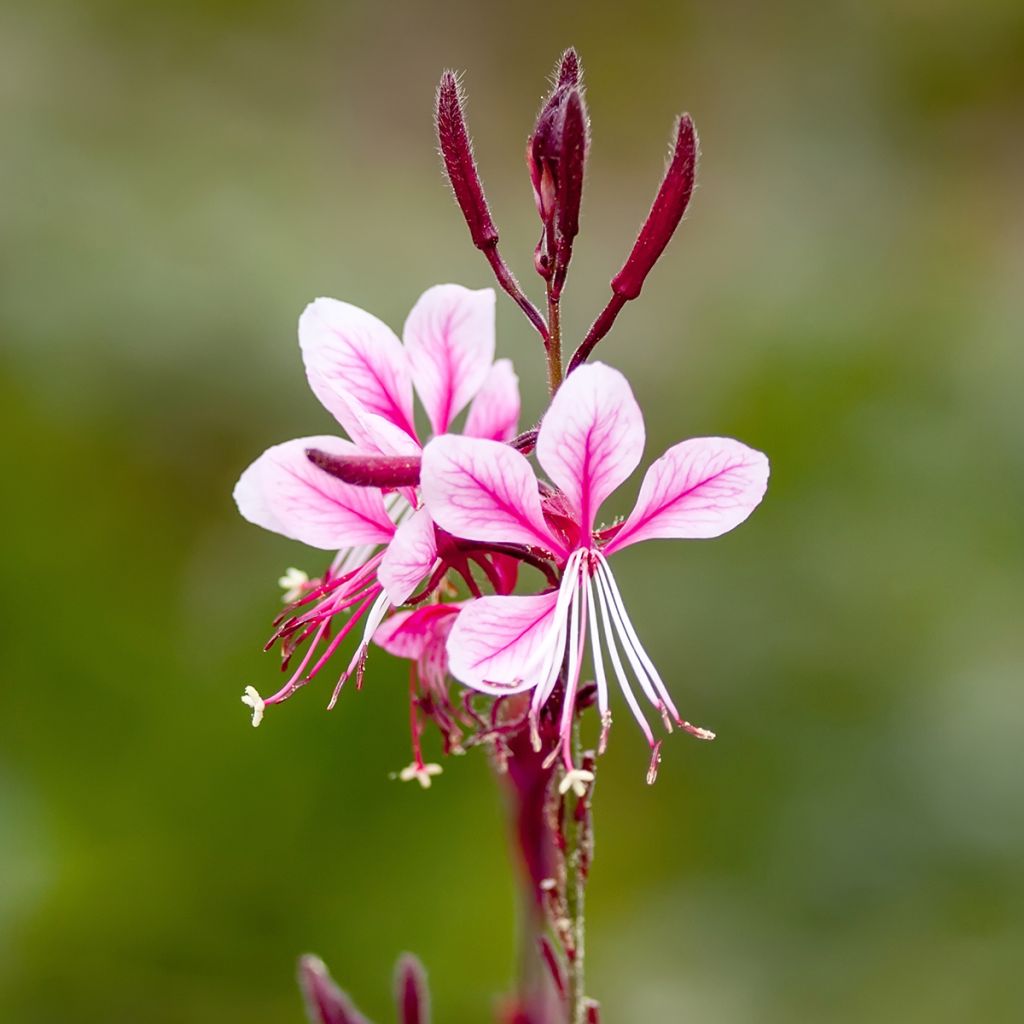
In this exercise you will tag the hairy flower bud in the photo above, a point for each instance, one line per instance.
(325, 1002)
(555, 156)
(385, 471)
(411, 992)
(666, 212)
(459, 164)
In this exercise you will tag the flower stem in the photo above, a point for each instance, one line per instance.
(554, 347)
(578, 852)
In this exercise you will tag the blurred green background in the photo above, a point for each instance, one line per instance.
(179, 179)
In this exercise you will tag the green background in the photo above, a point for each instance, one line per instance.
(178, 179)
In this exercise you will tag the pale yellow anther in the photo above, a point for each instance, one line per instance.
(252, 699)
(293, 581)
(576, 779)
(422, 773)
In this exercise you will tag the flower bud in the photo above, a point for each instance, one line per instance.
(385, 471)
(411, 993)
(325, 1002)
(555, 156)
(459, 164)
(669, 206)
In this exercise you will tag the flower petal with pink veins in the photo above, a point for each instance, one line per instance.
(700, 488)
(351, 354)
(591, 438)
(483, 491)
(410, 556)
(374, 433)
(449, 339)
(284, 492)
(407, 634)
(498, 644)
(494, 413)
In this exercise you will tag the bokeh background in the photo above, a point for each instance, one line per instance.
(179, 179)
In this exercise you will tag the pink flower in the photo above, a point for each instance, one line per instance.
(590, 442)
(366, 377)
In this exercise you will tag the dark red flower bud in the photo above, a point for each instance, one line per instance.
(665, 214)
(459, 164)
(460, 167)
(569, 70)
(411, 991)
(325, 1002)
(669, 206)
(385, 471)
(555, 156)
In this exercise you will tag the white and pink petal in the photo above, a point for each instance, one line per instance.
(284, 492)
(449, 340)
(484, 491)
(410, 558)
(591, 438)
(408, 634)
(699, 488)
(494, 413)
(352, 358)
(499, 644)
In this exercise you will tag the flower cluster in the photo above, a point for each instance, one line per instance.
(431, 520)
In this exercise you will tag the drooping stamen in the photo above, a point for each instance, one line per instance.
(577, 638)
(620, 672)
(665, 704)
(296, 681)
(599, 674)
(358, 663)
(652, 769)
(631, 656)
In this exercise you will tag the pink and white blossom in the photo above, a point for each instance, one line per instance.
(384, 541)
(591, 440)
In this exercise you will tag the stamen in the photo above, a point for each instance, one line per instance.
(358, 662)
(576, 639)
(652, 771)
(620, 672)
(666, 698)
(422, 773)
(648, 664)
(624, 637)
(252, 699)
(576, 779)
(293, 582)
(597, 656)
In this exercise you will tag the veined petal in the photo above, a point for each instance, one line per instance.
(449, 339)
(410, 557)
(375, 434)
(407, 634)
(699, 488)
(284, 492)
(483, 491)
(494, 413)
(498, 644)
(591, 438)
(351, 354)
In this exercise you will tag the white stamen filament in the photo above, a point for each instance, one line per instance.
(576, 640)
(653, 673)
(620, 672)
(617, 617)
